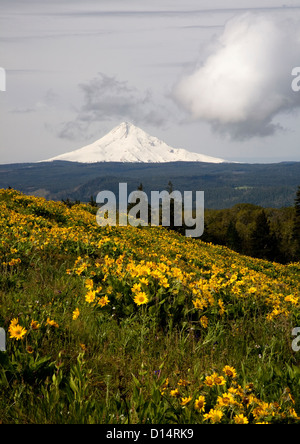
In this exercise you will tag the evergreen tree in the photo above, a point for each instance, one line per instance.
(93, 202)
(170, 187)
(296, 227)
(132, 205)
(206, 237)
(263, 244)
(170, 190)
(233, 239)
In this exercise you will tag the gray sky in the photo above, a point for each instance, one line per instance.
(211, 77)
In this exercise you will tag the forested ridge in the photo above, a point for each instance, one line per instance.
(266, 233)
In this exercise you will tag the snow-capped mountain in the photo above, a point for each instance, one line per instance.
(128, 143)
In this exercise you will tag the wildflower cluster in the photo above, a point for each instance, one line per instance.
(69, 287)
(183, 279)
(220, 399)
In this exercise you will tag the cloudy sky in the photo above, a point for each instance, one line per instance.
(211, 77)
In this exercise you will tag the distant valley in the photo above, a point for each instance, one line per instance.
(224, 184)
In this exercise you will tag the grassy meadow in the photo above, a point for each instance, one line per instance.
(124, 325)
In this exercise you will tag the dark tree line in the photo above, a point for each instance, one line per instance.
(267, 233)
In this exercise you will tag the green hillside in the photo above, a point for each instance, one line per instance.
(119, 325)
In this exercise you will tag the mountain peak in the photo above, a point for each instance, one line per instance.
(124, 129)
(128, 143)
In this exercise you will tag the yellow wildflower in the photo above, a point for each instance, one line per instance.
(200, 403)
(75, 314)
(34, 325)
(13, 323)
(14, 262)
(52, 323)
(252, 290)
(209, 381)
(141, 298)
(103, 301)
(185, 401)
(222, 307)
(175, 393)
(17, 332)
(225, 400)
(240, 419)
(229, 371)
(219, 380)
(136, 288)
(176, 273)
(109, 290)
(81, 269)
(293, 413)
(291, 298)
(90, 296)
(89, 284)
(164, 282)
(204, 321)
(198, 304)
(261, 410)
(214, 415)
(183, 382)
(164, 386)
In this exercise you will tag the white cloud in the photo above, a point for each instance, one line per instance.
(246, 81)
